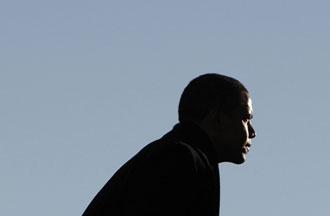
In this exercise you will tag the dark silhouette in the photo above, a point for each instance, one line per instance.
(178, 174)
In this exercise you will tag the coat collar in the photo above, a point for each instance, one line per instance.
(194, 136)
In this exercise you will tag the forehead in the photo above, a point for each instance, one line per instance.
(246, 102)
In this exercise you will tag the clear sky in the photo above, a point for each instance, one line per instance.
(85, 84)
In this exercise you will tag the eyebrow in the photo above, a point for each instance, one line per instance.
(244, 110)
(246, 114)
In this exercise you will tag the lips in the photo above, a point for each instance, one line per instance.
(246, 148)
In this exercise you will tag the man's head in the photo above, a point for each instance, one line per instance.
(222, 107)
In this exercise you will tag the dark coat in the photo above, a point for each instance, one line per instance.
(175, 175)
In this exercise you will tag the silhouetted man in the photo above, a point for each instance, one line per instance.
(178, 174)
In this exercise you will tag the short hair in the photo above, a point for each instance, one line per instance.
(207, 92)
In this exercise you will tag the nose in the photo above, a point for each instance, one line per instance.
(252, 132)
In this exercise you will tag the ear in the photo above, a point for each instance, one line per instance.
(215, 118)
(219, 119)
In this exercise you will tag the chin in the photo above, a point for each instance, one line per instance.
(239, 159)
(234, 156)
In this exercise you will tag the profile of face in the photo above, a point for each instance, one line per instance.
(231, 134)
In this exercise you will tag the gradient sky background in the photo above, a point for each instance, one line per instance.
(84, 85)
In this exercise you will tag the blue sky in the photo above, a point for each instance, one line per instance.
(85, 84)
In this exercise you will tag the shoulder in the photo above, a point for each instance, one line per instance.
(175, 156)
(163, 157)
